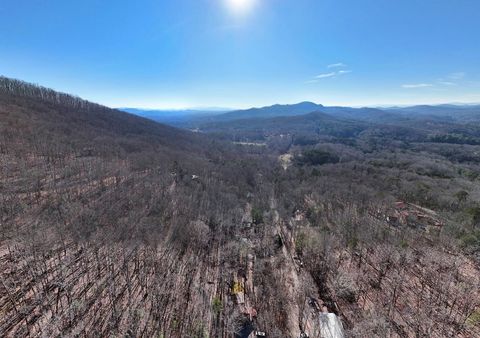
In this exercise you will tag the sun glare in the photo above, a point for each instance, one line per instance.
(240, 6)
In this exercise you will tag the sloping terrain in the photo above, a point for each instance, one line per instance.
(276, 111)
(269, 112)
(114, 225)
(315, 123)
(302, 108)
(88, 195)
(34, 116)
(463, 113)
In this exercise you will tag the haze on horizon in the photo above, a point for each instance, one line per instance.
(243, 53)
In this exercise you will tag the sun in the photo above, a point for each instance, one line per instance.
(240, 6)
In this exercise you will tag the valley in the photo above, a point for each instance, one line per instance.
(324, 223)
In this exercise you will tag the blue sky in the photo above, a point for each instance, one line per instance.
(242, 53)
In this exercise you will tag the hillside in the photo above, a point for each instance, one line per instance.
(271, 111)
(306, 126)
(448, 112)
(299, 109)
(407, 116)
(90, 196)
(30, 112)
(459, 113)
(114, 225)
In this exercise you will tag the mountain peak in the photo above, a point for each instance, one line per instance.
(308, 103)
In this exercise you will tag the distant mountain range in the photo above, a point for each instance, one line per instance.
(175, 117)
(194, 119)
(465, 113)
(112, 209)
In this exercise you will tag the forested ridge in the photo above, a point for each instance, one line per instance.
(114, 225)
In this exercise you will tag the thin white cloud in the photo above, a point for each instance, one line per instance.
(457, 76)
(447, 83)
(331, 74)
(326, 75)
(417, 85)
(337, 65)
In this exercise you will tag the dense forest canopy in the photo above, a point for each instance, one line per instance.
(115, 225)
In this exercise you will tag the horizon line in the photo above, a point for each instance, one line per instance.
(226, 109)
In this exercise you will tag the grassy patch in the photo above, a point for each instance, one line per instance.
(474, 318)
